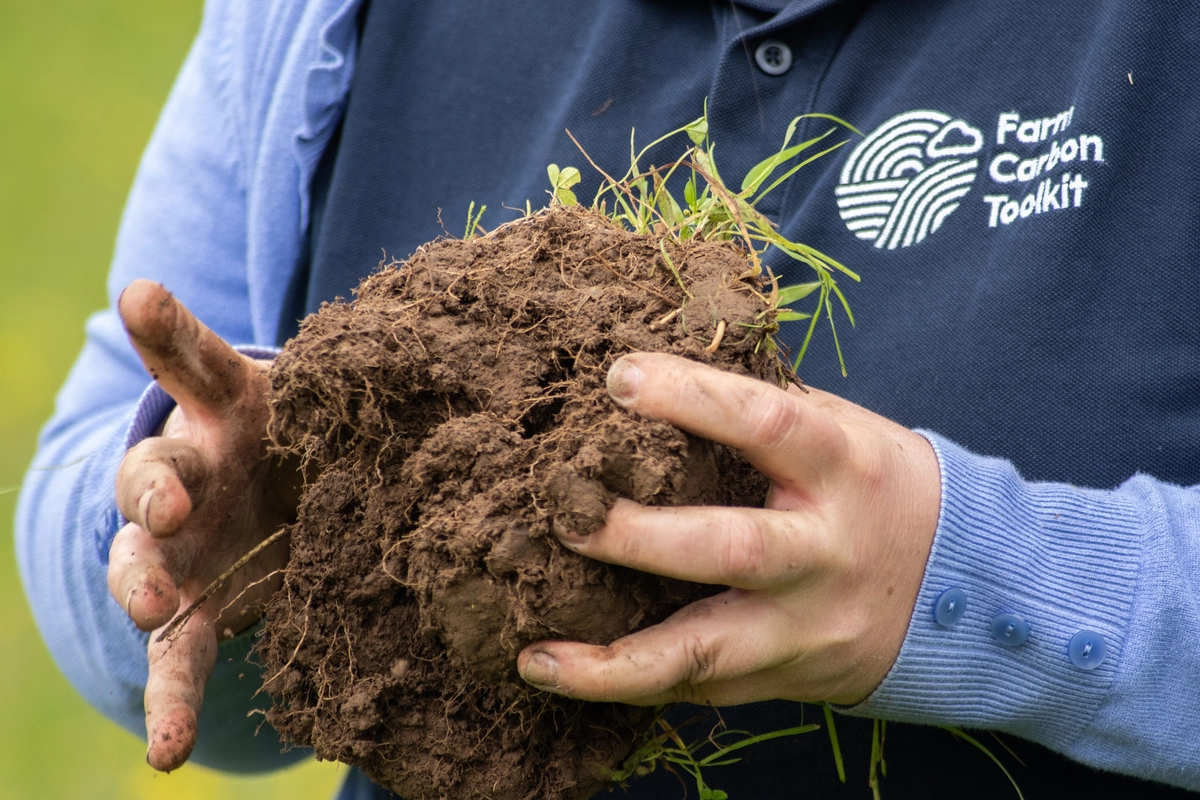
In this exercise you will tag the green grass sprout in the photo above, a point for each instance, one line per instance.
(833, 742)
(878, 765)
(473, 220)
(958, 733)
(711, 211)
(669, 749)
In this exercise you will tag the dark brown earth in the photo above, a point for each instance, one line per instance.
(456, 414)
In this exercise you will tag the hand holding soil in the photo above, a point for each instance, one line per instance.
(198, 497)
(823, 579)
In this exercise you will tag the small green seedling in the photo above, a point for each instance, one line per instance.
(473, 220)
(561, 182)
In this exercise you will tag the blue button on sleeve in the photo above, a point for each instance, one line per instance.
(1064, 557)
(1087, 650)
(1010, 630)
(950, 607)
(1117, 570)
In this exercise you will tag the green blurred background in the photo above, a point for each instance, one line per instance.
(81, 83)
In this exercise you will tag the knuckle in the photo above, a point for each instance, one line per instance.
(743, 555)
(698, 659)
(698, 667)
(774, 416)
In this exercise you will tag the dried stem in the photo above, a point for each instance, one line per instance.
(216, 585)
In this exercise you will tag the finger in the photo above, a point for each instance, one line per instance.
(158, 484)
(710, 652)
(787, 436)
(179, 668)
(144, 573)
(747, 548)
(190, 362)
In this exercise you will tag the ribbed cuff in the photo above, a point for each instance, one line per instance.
(1063, 559)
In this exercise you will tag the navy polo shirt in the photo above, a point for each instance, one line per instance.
(1021, 206)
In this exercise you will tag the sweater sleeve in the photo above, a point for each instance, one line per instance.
(184, 225)
(1105, 584)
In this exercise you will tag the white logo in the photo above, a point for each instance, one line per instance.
(903, 180)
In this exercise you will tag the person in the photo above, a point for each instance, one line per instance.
(1025, 563)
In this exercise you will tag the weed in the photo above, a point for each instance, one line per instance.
(473, 220)
(711, 211)
(669, 749)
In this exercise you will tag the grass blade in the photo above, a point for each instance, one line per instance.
(790, 294)
(796, 168)
(845, 303)
(833, 739)
(831, 118)
(724, 751)
(763, 169)
(960, 734)
(812, 326)
(836, 344)
(876, 759)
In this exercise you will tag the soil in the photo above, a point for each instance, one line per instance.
(452, 417)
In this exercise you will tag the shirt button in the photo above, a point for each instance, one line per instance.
(950, 607)
(1087, 649)
(773, 57)
(1010, 630)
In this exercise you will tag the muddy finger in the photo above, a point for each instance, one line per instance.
(691, 657)
(144, 573)
(159, 483)
(190, 362)
(179, 668)
(788, 437)
(747, 548)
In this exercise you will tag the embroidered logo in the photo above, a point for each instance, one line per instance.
(903, 180)
(912, 172)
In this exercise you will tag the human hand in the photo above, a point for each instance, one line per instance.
(198, 497)
(823, 580)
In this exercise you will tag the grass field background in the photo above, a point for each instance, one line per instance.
(81, 83)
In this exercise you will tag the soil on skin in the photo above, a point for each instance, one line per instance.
(456, 414)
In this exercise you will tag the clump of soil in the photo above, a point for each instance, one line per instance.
(454, 415)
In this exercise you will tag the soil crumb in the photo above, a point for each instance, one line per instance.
(450, 418)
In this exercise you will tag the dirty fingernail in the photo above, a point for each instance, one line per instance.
(144, 509)
(624, 380)
(541, 670)
(568, 537)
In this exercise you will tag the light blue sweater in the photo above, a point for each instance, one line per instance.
(218, 213)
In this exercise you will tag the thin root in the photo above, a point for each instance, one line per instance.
(215, 586)
(716, 342)
(665, 319)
